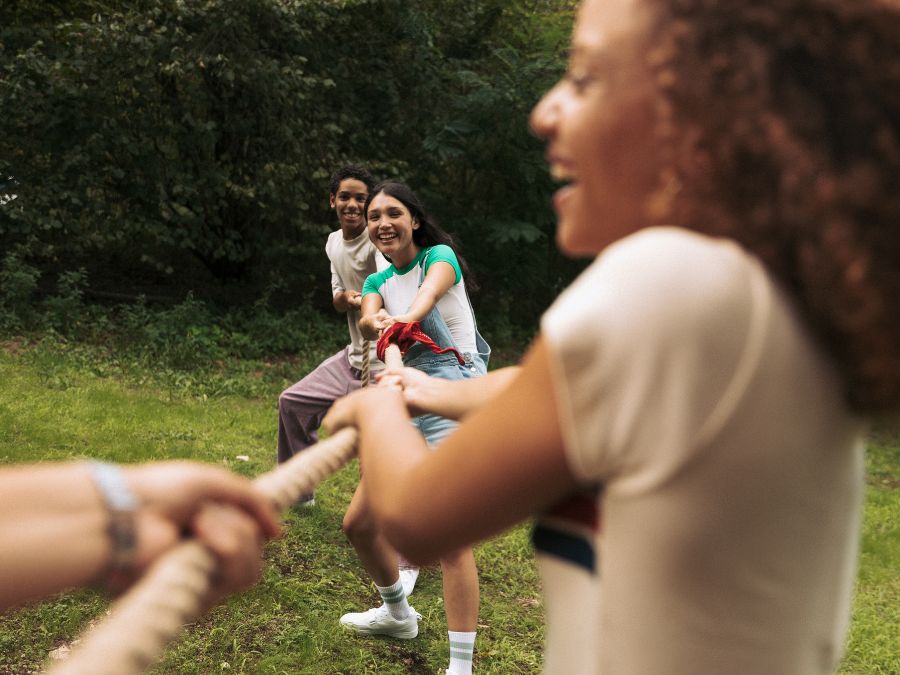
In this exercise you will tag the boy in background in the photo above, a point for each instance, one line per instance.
(353, 257)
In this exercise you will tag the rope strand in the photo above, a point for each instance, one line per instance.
(367, 358)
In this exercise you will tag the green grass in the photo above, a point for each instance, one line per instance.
(60, 401)
(53, 406)
(874, 647)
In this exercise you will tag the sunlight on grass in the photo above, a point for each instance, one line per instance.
(53, 406)
(57, 409)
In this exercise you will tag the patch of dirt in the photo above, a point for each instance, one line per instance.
(884, 480)
(530, 603)
(13, 346)
(414, 663)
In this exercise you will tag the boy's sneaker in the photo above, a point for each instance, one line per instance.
(408, 579)
(302, 506)
(378, 621)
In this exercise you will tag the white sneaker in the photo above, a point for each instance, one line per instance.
(408, 579)
(378, 621)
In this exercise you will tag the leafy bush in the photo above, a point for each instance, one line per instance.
(18, 282)
(160, 132)
(65, 310)
(165, 147)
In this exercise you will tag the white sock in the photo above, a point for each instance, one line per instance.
(395, 599)
(461, 647)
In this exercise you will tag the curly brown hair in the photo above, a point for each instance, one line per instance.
(780, 127)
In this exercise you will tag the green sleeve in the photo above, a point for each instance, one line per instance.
(442, 253)
(373, 282)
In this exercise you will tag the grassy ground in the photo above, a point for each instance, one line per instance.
(53, 406)
(61, 404)
(874, 646)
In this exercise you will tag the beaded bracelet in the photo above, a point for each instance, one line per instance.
(122, 504)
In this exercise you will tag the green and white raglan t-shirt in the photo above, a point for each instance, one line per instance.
(398, 287)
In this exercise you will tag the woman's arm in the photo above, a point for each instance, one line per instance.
(52, 531)
(54, 523)
(372, 316)
(504, 463)
(453, 399)
(438, 280)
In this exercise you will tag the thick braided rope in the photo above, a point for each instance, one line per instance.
(366, 364)
(171, 593)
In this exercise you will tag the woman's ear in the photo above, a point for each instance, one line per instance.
(415, 224)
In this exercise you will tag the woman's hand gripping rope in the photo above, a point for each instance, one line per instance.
(185, 581)
(182, 583)
(344, 412)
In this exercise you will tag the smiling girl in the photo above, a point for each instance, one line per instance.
(425, 282)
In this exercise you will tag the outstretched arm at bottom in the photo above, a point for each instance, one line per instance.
(453, 399)
(54, 523)
(504, 463)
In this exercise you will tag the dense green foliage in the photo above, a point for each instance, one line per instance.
(164, 147)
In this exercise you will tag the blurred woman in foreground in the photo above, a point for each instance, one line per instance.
(706, 383)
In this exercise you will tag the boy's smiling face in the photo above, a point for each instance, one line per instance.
(348, 204)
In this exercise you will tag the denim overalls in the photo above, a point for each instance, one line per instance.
(445, 366)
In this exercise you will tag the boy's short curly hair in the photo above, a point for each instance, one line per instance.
(350, 171)
(779, 127)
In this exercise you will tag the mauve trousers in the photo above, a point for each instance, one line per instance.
(302, 406)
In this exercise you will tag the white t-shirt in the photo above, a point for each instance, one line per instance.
(398, 288)
(351, 262)
(732, 473)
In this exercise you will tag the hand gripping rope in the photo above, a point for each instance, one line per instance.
(154, 611)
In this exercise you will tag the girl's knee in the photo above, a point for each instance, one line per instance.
(358, 526)
(458, 558)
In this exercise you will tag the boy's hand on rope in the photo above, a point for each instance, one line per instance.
(347, 300)
(354, 299)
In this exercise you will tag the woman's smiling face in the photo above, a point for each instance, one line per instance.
(599, 123)
(391, 228)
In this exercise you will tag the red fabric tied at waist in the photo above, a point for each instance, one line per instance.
(405, 335)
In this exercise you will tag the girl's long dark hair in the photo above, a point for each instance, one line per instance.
(429, 232)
